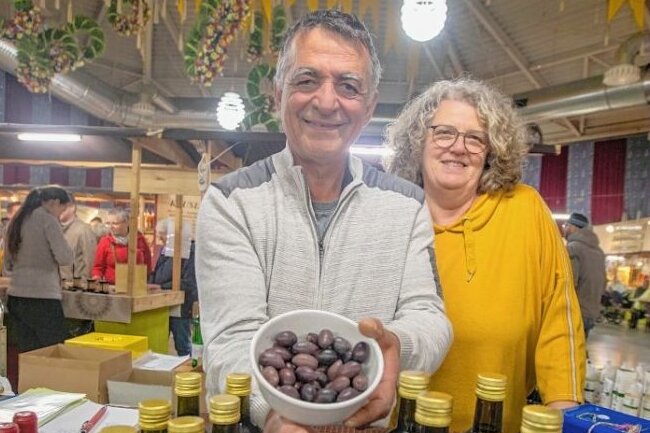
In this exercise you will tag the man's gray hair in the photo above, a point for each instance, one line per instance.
(120, 212)
(341, 23)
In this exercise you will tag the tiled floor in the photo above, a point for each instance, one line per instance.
(619, 345)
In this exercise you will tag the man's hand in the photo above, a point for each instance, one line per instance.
(276, 424)
(381, 401)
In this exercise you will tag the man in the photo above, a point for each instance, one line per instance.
(81, 239)
(313, 227)
(588, 262)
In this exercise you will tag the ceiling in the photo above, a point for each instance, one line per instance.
(524, 47)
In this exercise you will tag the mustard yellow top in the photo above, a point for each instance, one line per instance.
(508, 290)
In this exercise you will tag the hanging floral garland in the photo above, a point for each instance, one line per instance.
(262, 102)
(214, 30)
(278, 28)
(27, 21)
(254, 49)
(130, 22)
(34, 70)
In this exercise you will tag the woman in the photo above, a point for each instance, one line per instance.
(35, 250)
(113, 248)
(504, 271)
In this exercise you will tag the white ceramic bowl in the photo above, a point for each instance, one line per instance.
(301, 322)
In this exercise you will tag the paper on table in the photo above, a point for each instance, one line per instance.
(71, 421)
(158, 361)
(46, 403)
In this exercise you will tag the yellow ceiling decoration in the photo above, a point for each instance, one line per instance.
(638, 10)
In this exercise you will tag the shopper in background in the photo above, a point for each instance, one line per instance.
(314, 227)
(98, 227)
(81, 239)
(113, 248)
(180, 319)
(588, 263)
(35, 250)
(504, 271)
(12, 208)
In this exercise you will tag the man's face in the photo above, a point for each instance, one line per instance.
(68, 213)
(327, 96)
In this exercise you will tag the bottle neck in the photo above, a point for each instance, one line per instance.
(227, 428)
(159, 430)
(488, 416)
(187, 406)
(406, 416)
(429, 429)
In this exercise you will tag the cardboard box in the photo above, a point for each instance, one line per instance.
(139, 283)
(72, 369)
(136, 344)
(128, 388)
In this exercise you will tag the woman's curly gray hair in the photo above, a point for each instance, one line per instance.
(406, 136)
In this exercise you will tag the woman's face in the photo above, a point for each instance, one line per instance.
(55, 207)
(117, 226)
(453, 169)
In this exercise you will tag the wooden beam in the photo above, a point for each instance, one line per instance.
(228, 158)
(168, 149)
(133, 217)
(178, 238)
(162, 180)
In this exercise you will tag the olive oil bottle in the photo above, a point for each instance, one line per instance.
(153, 415)
(225, 413)
(490, 393)
(411, 383)
(186, 424)
(239, 385)
(541, 419)
(433, 412)
(187, 388)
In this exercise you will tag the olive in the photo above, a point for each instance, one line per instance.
(271, 358)
(312, 337)
(288, 364)
(327, 357)
(339, 384)
(322, 378)
(305, 347)
(308, 392)
(271, 375)
(287, 376)
(333, 370)
(325, 338)
(360, 382)
(306, 374)
(286, 339)
(282, 351)
(325, 396)
(341, 345)
(347, 356)
(289, 390)
(361, 352)
(347, 394)
(303, 359)
(350, 369)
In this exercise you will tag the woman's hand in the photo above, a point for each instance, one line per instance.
(276, 424)
(381, 401)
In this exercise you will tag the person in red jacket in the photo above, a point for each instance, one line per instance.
(113, 248)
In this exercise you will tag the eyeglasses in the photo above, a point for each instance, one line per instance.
(444, 136)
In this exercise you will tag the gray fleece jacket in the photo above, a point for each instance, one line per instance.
(258, 256)
(589, 273)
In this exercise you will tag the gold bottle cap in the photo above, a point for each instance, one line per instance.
(154, 414)
(186, 424)
(119, 429)
(238, 384)
(187, 384)
(224, 409)
(433, 409)
(411, 383)
(542, 419)
(491, 386)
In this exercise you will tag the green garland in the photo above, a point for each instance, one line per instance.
(215, 28)
(254, 49)
(263, 103)
(127, 24)
(278, 28)
(26, 22)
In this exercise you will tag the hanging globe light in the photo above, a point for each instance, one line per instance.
(230, 111)
(423, 20)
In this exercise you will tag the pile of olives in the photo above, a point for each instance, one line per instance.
(321, 369)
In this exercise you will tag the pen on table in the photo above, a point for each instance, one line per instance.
(87, 426)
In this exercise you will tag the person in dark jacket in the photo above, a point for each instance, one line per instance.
(180, 323)
(588, 263)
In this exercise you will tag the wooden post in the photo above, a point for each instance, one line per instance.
(136, 158)
(178, 243)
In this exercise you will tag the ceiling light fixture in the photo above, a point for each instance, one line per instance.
(621, 75)
(230, 111)
(370, 150)
(39, 136)
(423, 20)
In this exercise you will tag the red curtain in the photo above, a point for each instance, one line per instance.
(608, 184)
(553, 180)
